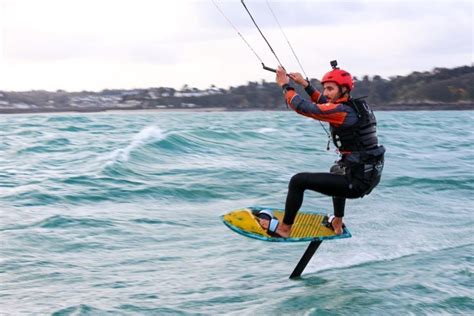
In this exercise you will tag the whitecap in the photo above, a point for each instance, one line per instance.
(146, 135)
(266, 130)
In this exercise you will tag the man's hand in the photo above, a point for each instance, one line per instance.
(298, 78)
(281, 77)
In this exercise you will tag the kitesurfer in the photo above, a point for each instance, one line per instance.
(353, 132)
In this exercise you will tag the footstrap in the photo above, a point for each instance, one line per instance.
(328, 222)
(273, 222)
(330, 219)
(273, 226)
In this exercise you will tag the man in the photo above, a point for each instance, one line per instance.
(353, 132)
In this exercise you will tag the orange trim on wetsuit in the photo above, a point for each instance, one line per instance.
(337, 113)
(315, 96)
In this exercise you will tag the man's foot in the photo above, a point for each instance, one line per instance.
(283, 229)
(337, 225)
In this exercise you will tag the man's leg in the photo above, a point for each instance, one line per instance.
(339, 204)
(325, 183)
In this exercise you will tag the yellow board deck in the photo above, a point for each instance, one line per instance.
(308, 226)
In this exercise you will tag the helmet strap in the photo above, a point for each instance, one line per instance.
(344, 93)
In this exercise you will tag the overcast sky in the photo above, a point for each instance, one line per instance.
(97, 44)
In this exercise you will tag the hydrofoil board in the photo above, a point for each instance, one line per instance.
(308, 226)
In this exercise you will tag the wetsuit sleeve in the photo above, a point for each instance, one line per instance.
(314, 94)
(337, 114)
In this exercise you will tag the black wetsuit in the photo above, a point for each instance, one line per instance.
(354, 134)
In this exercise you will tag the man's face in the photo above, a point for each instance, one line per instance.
(331, 91)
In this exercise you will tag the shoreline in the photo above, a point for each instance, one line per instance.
(386, 108)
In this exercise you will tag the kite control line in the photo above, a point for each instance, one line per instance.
(243, 38)
(269, 46)
(287, 40)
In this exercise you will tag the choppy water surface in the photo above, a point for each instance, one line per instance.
(119, 214)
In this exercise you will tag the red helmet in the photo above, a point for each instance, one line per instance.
(340, 77)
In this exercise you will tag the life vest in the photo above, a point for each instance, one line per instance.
(360, 137)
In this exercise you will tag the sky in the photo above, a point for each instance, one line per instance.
(77, 45)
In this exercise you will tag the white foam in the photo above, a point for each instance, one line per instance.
(266, 130)
(149, 133)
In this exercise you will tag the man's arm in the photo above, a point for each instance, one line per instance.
(314, 94)
(333, 113)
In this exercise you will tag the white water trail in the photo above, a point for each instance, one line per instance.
(146, 135)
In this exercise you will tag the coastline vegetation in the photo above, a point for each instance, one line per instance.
(439, 89)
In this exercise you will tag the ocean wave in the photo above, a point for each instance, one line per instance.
(72, 128)
(409, 254)
(267, 130)
(82, 309)
(119, 214)
(149, 221)
(432, 184)
(62, 221)
(52, 145)
(78, 119)
(148, 134)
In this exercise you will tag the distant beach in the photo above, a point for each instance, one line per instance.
(398, 107)
(441, 89)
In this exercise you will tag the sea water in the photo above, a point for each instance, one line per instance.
(119, 214)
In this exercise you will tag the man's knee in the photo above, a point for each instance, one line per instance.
(298, 181)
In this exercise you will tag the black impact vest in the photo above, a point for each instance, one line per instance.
(360, 137)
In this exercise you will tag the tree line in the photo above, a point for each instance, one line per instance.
(441, 88)
(436, 88)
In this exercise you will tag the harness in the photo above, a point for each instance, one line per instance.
(361, 136)
(362, 157)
